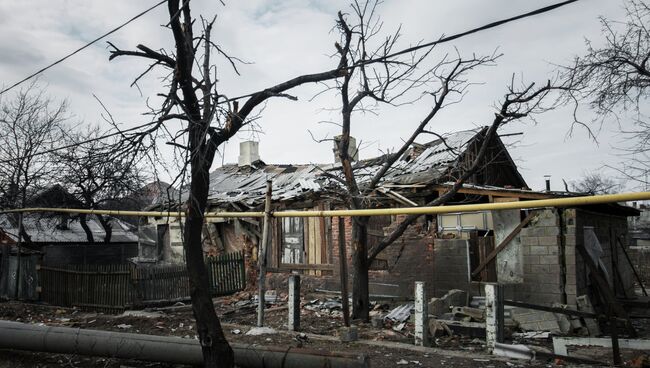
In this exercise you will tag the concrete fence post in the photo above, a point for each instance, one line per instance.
(294, 303)
(421, 315)
(493, 315)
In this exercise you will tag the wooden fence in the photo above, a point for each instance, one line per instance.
(113, 288)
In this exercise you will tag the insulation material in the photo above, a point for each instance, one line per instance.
(510, 261)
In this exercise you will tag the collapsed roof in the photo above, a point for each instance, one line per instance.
(421, 164)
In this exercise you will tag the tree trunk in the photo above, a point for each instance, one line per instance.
(84, 225)
(108, 229)
(216, 350)
(360, 265)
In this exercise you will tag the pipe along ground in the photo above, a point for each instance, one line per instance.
(65, 340)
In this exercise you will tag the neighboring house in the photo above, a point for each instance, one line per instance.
(441, 250)
(60, 238)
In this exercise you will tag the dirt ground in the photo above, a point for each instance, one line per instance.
(384, 346)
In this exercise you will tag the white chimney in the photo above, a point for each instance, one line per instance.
(248, 152)
(353, 152)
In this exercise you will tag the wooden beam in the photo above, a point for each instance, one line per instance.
(636, 275)
(504, 243)
(497, 193)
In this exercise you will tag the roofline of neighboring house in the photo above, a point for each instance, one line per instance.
(525, 194)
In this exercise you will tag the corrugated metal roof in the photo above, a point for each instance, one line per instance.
(47, 229)
(232, 184)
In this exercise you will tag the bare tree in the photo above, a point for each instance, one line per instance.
(395, 81)
(96, 175)
(614, 79)
(389, 82)
(208, 120)
(30, 123)
(595, 183)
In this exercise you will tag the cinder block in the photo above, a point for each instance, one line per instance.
(529, 240)
(539, 269)
(548, 240)
(538, 250)
(551, 231)
(531, 259)
(553, 268)
(548, 259)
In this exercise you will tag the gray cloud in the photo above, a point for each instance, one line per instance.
(288, 38)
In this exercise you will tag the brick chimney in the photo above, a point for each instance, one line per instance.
(353, 152)
(248, 153)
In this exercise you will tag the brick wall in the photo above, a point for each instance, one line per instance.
(450, 266)
(409, 259)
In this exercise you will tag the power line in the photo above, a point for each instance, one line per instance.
(366, 62)
(81, 48)
(441, 40)
(469, 32)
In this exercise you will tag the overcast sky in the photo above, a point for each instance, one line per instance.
(287, 38)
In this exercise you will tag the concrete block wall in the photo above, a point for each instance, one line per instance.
(541, 242)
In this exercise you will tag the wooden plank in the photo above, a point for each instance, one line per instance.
(599, 279)
(504, 243)
(629, 261)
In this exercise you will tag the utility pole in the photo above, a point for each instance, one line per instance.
(261, 259)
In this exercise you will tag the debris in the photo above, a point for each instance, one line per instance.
(560, 344)
(349, 334)
(584, 304)
(257, 331)
(532, 335)
(377, 322)
(471, 329)
(236, 331)
(140, 313)
(642, 361)
(270, 297)
(516, 351)
(475, 314)
(535, 320)
(401, 313)
(453, 298)
(399, 327)
(402, 362)
(124, 326)
(331, 306)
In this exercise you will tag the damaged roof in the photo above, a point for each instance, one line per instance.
(421, 164)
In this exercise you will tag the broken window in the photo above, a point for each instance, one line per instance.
(293, 240)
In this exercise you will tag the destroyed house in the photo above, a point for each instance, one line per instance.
(444, 251)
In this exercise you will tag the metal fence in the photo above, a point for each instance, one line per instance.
(113, 288)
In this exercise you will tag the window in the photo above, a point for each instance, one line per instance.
(293, 240)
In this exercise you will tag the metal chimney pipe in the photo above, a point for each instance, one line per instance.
(547, 178)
